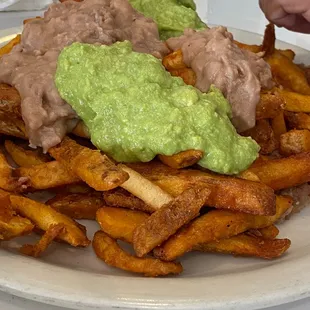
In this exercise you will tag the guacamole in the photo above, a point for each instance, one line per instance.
(134, 109)
(171, 16)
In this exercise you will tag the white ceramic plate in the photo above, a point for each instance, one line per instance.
(75, 278)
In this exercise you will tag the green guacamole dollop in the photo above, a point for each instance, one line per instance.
(171, 16)
(134, 109)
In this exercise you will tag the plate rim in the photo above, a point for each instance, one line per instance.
(295, 289)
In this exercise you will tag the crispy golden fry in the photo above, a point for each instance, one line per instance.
(90, 165)
(295, 102)
(9, 46)
(244, 245)
(270, 232)
(217, 225)
(81, 130)
(187, 74)
(120, 223)
(297, 120)
(295, 142)
(26, 21)
(25, 158)
(78, 206)
(270, 105)
(288, 53)
(269, 40)
(168, 220)
(279, 126)
(182, 160)
(47, 175)
(174, 61)
(290, 74)
(121, 198)
(110, 252)
(252, 48)
(11, 225)
(263, 134)
(43, 216)
(142, 188)
(41, 246)
(285, 172)
(226, 192)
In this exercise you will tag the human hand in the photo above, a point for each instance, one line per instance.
(291, 14)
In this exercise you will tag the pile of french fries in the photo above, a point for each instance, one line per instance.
(167, 207)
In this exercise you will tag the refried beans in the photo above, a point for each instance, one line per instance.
(238, 73)
(31, 66)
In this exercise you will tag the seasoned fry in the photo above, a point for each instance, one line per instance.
(288, 53)
(41, 246)
(120, 223)
(77, 206)
(25, 158)
(295, 142)
(269, 41)
(226, 192)
(188, 75)
(298, 120)
(47, 175)
(263, 134)
(270, 105)
(9, 46)
(168, 220)
(121, 198)
(285, 172)
(270, 232)
(11, 225)
(90, 165)
(174, 61)
(252, 48)
(81, 130)
(244, 245)
(26, 21)
(290, 74)
(110, 252)
(217, 225)
(147, 191)
(182, 160)
(295, 102)
(43, 216)
(279, 126)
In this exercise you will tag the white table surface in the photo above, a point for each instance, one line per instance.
(13, 19)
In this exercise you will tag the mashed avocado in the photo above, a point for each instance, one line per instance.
(134, 109)
(171, 16)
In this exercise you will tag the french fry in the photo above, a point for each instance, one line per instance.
(26, 21)
(81, 130)
(263, 134)
(174, 61)
(217, 225)
(168, 219)
(226, 192)
(119, 197)
(25, 158)
(295, 142)
(279, 126)
(288, 53)
(244, 245)
(41, 246)
(298, 120)
(182, 160)
(90, 165)
(9, 46)
(77, 206)
(270, 232)
(285, 172)
(47, 175)
(187, 74)
(120, 223)
(142, 188)
(252, 48)
(11, 225)
(269, 41)
(290, 74)
(295, 102)
(270, 105)
(43, 216)
(110, 252)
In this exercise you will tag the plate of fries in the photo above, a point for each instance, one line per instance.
(81, 231)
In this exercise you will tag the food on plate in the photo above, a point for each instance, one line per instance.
(217, 225)
(112, 254)
(168, 219)
(196, 143)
